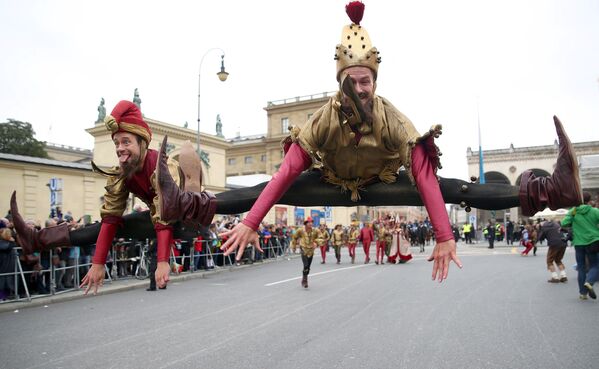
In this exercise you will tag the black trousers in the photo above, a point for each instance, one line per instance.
(307, 261)
(153, 264)
(310, 190)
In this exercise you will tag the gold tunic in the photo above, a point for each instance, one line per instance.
(353, 235)
(115, 198)
(329, 140)
(338, 237)
(381, 233)
(307, 240)
(323, 237)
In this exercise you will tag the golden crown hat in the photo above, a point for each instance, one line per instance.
(356, 48)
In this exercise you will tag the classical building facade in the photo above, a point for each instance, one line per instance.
(507, 165)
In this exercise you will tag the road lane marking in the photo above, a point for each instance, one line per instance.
(315, 274)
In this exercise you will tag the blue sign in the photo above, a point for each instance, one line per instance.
(328, 214)
(299, 216)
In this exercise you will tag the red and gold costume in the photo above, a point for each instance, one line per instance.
(126, 117)
(323, 241)
(381, 242)
(352, 240)
(400, 247)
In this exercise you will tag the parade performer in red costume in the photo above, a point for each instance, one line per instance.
(353, 234)
(367, 236)
(135, 174)
(381, 242)
(323, 242)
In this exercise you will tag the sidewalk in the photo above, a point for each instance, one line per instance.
(124, 285)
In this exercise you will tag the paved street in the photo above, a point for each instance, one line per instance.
(497, 312)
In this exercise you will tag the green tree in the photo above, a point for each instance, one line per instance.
(17, 137)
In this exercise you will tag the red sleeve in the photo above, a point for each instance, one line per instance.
(104, 242)
(295, 162)
(430, 193)
(164, 241)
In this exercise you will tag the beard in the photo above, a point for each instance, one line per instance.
(130, 167)
(365, 104)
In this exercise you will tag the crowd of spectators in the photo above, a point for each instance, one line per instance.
(199, 249)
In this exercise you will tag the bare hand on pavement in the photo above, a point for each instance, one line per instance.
(93, 279)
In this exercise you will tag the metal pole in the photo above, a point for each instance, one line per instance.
(199, 91)
(481, 168)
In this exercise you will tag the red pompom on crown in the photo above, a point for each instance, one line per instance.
(355, 11)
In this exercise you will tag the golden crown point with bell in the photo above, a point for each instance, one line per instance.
(356, 48)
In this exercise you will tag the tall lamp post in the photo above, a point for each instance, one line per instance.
(222, 75)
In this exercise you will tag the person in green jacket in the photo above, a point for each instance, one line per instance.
(584, 220)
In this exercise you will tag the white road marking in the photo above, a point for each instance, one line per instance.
(315, 274)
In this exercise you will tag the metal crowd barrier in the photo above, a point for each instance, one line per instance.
(48, 280)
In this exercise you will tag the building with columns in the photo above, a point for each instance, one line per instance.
(507, 165)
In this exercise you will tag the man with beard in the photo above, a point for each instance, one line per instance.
(359, 141)
(135, 174)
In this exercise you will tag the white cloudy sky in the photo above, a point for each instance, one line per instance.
(524, 60)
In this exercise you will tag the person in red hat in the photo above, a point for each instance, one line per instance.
(308, 239)
(134, 174)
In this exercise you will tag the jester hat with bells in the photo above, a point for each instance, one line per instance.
(126, 117)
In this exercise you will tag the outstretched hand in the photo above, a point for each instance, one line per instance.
(93, 279)
(239, 237)
(443, 253)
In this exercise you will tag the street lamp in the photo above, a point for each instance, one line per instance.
(222, 75)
